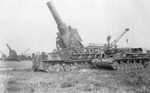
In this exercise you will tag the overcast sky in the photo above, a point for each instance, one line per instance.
(29, 24)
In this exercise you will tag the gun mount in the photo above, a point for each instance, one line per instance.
(67, 37)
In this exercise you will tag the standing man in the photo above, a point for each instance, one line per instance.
(36, 62)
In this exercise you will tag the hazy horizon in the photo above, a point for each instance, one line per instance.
(29, 23)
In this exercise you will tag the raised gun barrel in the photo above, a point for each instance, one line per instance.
(12, 53)
(67, 36)
(54, 13)
(8, 47)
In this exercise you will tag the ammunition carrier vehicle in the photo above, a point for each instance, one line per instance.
(71, 54)
(126, 59)
(122, 58)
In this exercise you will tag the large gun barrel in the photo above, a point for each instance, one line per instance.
(54, 13)
(67, 37)
(8, 47)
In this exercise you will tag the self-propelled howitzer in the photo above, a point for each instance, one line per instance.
(70, 53)
(12, 54)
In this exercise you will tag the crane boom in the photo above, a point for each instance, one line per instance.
(114, 42)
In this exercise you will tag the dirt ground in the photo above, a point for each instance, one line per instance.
(83, 81)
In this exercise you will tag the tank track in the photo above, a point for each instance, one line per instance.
(130, 64)
(122, 64)
(65, 66)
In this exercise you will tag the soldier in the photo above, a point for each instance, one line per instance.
(36, 62)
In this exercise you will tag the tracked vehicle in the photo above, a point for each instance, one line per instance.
(124, 59)
(12, 55)
(72, 55)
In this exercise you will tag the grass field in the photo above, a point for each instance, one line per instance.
(21, 79)
(83, 81)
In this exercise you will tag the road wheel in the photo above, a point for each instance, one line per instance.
(115, 66)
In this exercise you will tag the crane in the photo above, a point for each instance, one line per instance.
(114, 42)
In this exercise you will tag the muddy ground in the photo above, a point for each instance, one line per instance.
(83, 81)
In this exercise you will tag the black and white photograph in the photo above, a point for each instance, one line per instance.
(74, 46)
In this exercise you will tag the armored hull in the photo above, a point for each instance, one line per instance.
(124, 59)
(68, 59)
